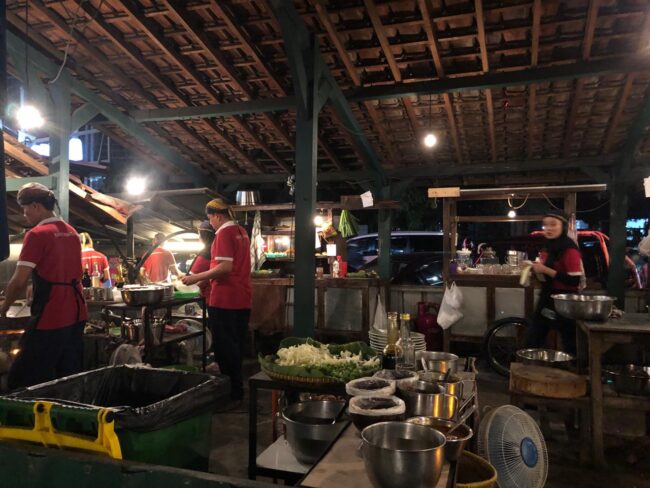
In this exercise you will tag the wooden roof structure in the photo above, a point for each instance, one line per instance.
(513, 86)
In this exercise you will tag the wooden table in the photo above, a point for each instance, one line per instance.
(633, 328)
(343, 467)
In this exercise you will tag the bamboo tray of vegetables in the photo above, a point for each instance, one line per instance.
(301, 360)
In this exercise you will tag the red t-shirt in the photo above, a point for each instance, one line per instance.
(200, 265)
(231, 243)
(91, 258)
(158, 263)
(53, 250)
(570, 262)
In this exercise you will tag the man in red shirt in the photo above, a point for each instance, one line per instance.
(91, 259)
(160, 263)
(52, 345)
(229, 304)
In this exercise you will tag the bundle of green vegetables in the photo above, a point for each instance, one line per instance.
(311, 359)
(348, 224)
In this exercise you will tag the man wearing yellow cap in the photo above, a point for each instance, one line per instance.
(230, 298)
(52, 345)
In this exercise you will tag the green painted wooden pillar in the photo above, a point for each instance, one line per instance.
(4, 223)
(59, 142)
(618, 209)
(385, 226)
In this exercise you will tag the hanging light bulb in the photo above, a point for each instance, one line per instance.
(318, 221)
(136, 185)
(29, 117)
(512, 214)
(430, 140)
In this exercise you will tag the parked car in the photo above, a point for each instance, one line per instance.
(412, 269)
(363, 250)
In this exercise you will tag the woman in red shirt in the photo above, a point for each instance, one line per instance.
(561, 272)
(202, 261)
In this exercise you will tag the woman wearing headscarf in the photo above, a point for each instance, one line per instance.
(202, 261)
(560, 271)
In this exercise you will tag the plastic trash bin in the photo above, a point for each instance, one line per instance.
(159, 416)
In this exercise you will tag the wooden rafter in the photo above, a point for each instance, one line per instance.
(625, 90)
(480, 23)
(118, 74)
(351, 70)
(532, 89)
(153, 33)
(590, 27)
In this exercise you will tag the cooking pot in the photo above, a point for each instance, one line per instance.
(142, 295)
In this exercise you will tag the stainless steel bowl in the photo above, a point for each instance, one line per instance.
(144, 295)
(583, 307)
(399, 454)
(311, 428)
(436, 361)
(455, 442)
(545, 357)
(629, 379)
(428, 399)
(453, 385)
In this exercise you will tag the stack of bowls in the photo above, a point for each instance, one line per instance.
(378, 340)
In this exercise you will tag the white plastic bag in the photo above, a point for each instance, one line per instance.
(381, 319)
(449, 312)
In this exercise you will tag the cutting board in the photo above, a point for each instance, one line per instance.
(546, 382)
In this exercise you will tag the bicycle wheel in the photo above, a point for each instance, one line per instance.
(502, 341)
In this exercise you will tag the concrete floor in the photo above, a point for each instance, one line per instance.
(629, 460)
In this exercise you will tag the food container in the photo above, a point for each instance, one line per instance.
(102, 294)
(370, 387)
(583, 307)
(436, 361)
(545, 357)
(629, 379)
(455, 442)
(142, 295)
(399, 454)
(368, 410)
(402, 377)
(311, 427)
(429, 400)
(515, 258)
(453, 385)
(475, 472)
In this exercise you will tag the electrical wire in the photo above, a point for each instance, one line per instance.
(520, 206)
(577, 211)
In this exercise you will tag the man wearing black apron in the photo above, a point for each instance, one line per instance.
(52, 346)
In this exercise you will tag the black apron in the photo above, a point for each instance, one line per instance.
(42, 289)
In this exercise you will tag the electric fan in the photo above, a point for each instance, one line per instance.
(511, 441)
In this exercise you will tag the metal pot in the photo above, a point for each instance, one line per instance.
(545, 357)
(583, 307)
(455, 442)
(142, 295)
(399, 454)
(102, 294)
(453, 385)
(429, 400)
(311, 427)
(629, 379)
(435, 361)
(247, 197)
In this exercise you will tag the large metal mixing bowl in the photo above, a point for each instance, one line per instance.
(428, 399)
(583, 307)
(455, 442)
(399, 454)
(545, 357)
(311, 427)
(143, 295)
(629, 379)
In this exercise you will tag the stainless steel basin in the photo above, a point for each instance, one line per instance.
(399, 455)
(583, 307)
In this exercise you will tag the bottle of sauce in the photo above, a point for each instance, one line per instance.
(85, 278)
(392, 351)
(95, 279)
(407, 359)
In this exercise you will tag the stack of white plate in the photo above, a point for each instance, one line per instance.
(378, 340)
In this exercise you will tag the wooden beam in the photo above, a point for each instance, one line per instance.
(626, 89)
(351, 70)
(430, 29)
(590, 27)
(480, 23)
(532, 89)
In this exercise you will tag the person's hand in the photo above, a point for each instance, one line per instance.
(540, 268)
(189, 280)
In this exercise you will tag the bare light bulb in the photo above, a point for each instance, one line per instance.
(136, 185)
(318, 221)
(512, 214)
(430, 140)
(29, 117)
